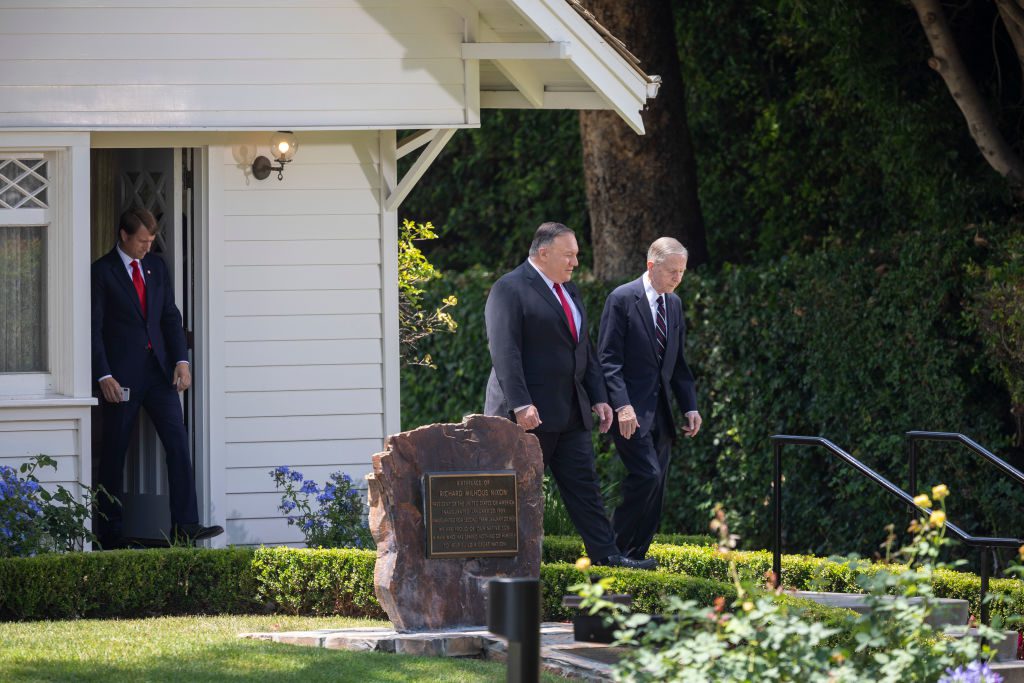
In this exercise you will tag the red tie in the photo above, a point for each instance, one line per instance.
(568, 313)
(140, 285)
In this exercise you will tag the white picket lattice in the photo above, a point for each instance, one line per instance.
(23, 183)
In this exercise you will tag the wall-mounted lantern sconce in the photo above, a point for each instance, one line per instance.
(283, 146)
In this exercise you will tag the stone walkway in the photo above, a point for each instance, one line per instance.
(560, 654)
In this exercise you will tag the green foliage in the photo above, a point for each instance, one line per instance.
(760, 639)
(338, 521)
(34, 519)
(650, 590)
(840, 575)
(998, 314)
(570, 548)
(414, 271)
(820, 122)
(330, 581)
(492, 186)
(123, 583)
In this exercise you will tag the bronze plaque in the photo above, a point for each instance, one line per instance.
(471, 514)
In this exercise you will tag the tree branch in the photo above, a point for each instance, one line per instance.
(981, 124)
(1013, 20)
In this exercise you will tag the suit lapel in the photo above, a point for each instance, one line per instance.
(120, 275)
(643, 308)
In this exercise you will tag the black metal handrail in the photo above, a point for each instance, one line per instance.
(780, 440)
(914, 437)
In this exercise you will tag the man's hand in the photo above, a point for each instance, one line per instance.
(111, 390)
(628, 424)
(528, 418)
(182, 377)
(605, 414)
(693, 423)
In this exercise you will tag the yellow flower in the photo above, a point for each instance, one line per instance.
(1020, 551)
(583, 564)
(939, 492)
(747, 606)
(938, 518)
(922, 501)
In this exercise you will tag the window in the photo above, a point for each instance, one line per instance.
(26, 221)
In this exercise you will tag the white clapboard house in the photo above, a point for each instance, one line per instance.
(288, 286)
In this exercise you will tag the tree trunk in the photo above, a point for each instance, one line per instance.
(981, 124)
(640, 188)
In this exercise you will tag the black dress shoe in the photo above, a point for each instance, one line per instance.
(627, 562)
(190, 533)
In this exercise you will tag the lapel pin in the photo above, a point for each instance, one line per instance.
(149, 272)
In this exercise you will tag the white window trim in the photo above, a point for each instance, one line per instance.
(67, 322)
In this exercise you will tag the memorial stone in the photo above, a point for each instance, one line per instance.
(419, 592)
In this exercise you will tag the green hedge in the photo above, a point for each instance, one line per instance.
(570, 548)
(128, 583)
(801, 572)
(135, 583)
(318, 582)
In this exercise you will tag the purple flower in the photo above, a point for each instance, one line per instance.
(308, 486)
(295, 475)
(975, 672)
(287, 505)
(281, 471)
(328, 495)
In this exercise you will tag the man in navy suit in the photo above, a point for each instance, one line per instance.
(546, 377)
(139, 359)
(641, 350)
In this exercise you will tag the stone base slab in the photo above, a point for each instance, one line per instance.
(556, 640)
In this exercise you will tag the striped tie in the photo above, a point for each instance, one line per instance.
(662, 329)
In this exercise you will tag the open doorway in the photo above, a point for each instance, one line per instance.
(157, 179)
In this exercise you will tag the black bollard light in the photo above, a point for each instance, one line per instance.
(513, 611)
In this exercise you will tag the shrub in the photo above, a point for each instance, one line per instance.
(803, 572)
(35, 520)
(329, 581)
(337, 521)
(128, 583)
(759, 639)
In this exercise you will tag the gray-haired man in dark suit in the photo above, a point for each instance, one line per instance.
(641, 349)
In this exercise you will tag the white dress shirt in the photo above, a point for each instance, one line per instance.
(576, 318)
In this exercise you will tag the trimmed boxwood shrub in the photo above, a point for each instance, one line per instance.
(319, 582)
(570, 548)
(128, 583)
(802, 572)
(141, 583)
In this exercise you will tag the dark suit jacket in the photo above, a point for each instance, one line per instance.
(628, 350)
(533, 355)
(120, 334)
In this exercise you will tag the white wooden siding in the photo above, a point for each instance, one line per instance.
(54, 431)
(300, 375)
(307, 64)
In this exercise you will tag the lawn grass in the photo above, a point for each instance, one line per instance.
(208, 649)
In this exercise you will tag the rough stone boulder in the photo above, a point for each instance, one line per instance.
(419, 593)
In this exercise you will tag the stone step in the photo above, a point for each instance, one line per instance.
(947, 612)
(1006, 649)
(1012, 672)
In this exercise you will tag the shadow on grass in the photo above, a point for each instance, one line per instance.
(255, 661)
